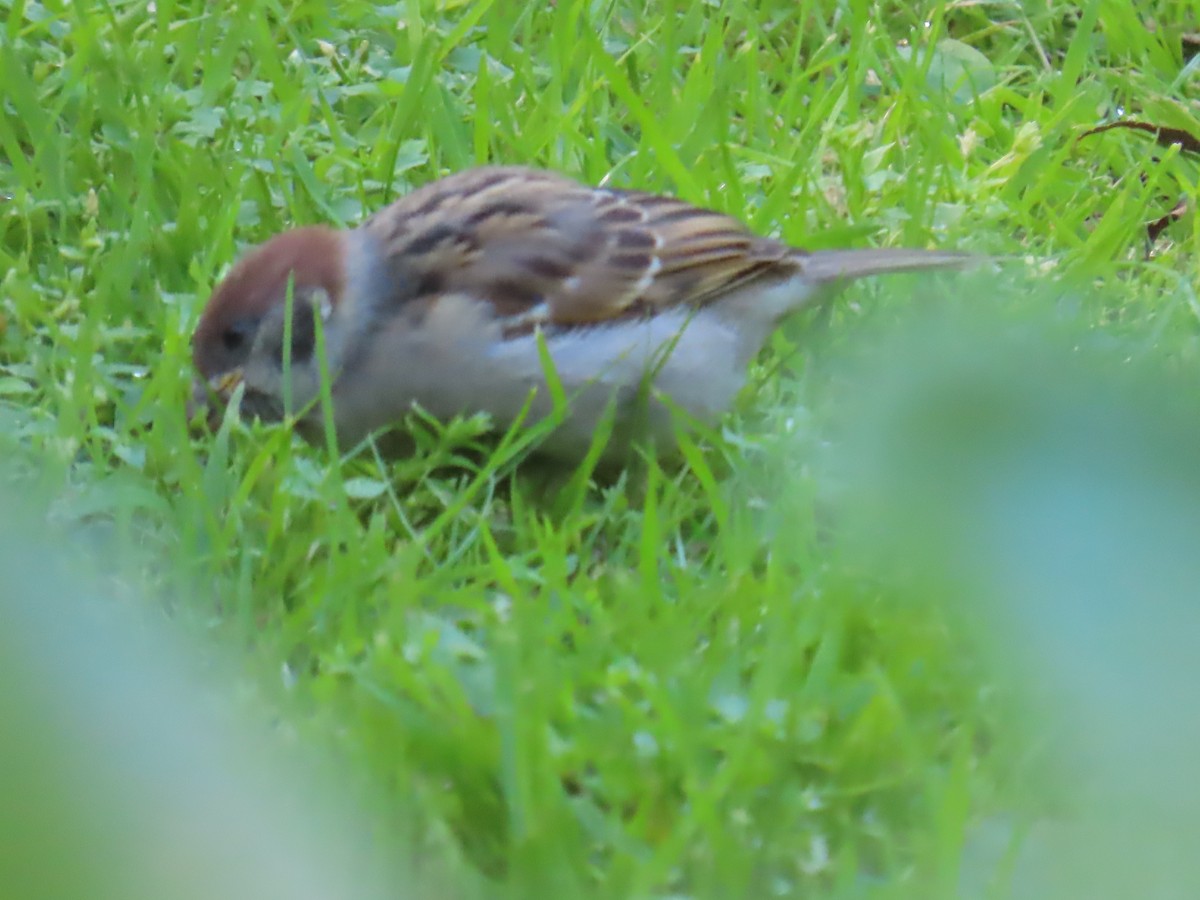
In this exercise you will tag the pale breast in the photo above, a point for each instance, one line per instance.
(457, 363)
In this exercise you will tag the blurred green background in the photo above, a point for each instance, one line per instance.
(913, 622)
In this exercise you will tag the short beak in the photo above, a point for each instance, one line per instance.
(212, 396)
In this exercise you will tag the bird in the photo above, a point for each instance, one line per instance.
(514, 292)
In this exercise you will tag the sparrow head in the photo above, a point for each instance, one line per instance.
(240, 335)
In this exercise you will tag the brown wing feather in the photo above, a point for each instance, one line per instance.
(543, 248)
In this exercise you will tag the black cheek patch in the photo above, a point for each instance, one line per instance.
(304, 334)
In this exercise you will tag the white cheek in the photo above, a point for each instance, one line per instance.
(265, 376)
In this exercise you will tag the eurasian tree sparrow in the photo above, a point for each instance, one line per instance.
(452, 296)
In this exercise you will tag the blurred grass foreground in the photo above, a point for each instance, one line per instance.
(1042, 482)
(1038, 482)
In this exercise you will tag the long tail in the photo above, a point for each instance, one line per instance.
(827, 266)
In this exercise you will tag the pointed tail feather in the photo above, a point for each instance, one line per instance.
(827, 266)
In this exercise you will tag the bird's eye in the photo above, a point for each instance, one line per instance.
(237, 336)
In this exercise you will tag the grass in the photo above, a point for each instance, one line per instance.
(682, 683)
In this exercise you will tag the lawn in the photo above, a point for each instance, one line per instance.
(691, 679)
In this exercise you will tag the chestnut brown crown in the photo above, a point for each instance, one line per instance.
(310, 257)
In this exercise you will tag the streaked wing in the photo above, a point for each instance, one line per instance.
(545, 249)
